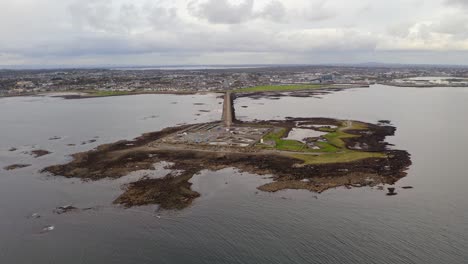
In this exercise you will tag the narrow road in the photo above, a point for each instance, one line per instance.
(349, 125)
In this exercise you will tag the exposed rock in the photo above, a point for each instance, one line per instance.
(88, 142)
(39, 153)
(35, 216)
(64, 209)
(391, 191)
(16, 166)
(385, 122)
(47, 229)
(173, 191)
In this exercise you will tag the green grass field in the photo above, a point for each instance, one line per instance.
(279, 88)
(284, 144)
(340, 157)
(332, 151)
(294, 145)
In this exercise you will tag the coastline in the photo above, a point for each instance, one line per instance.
(289, 169)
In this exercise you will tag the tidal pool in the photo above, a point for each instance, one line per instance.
(300, 134)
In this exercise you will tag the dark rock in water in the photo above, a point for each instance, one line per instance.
(407, 187)
(64, 209)
(71, 145)
(12, 149)
(384, 121)
(391, 191)
(39, 153)
(16, 166)
(35, 216)
(88, 142)
(55, 138)
(46, 229)
(145, 118)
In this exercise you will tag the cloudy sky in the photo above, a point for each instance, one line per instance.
(165, 32)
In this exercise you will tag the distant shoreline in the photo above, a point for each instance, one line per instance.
(87, 95)
(424, 85)
(244, 91)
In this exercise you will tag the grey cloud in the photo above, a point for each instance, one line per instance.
(161, 17)
(399, 30)
(457, 2)
(90, 14)
(200, 41)
(222, 11)
(106, 16)
(73, 29)
(275, 11)
(318, 11)
(457, 26)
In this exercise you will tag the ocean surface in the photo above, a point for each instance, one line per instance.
(233, 222)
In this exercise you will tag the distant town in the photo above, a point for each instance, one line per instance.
(30, 82)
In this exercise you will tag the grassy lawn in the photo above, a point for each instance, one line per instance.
(294, 145)
(357, 126)
(279, 88)
(284, 144)
(336, 138)
(332, 151)
(341, 157)
(326, 147)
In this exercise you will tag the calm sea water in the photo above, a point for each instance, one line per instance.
(231, 223)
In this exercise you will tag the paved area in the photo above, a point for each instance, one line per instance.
(218, 135)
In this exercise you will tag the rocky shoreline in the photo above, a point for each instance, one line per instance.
(288, 172)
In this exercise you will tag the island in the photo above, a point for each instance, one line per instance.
(314, 154)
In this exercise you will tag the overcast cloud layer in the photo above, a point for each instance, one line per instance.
(157, 32)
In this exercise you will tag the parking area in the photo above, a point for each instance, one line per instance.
(218, 135)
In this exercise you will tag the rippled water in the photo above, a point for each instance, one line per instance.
(231, 222)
